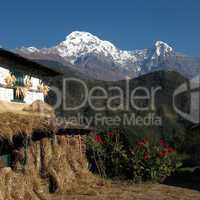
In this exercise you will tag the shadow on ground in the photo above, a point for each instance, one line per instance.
(189, 179)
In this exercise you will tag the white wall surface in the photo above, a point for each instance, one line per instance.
(3, 74)
(35, 82)
(6, 94)
(33, 96)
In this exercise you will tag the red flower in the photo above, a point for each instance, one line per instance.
(163, 153)
(142, 142)
(98, 139)
(110, 134)
(146, 156)
(171, 150)
(163, 144)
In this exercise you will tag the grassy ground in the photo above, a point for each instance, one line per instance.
(124, 191)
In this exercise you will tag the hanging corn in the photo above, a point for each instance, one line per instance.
(10, 80)
(43, 88)
(28, 83)
(21, 92)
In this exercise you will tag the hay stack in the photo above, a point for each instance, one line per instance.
(15, 124)
(39, 106)
(46, 154)
(20, 186)
(66, 166)
(53, 165)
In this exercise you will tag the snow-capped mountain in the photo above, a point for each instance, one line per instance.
(101, 59)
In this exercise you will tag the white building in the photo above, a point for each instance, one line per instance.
(22, 80)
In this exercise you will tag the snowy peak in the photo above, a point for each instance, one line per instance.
(78, 38)
(157, 55)
(29, 50)
(162, 49)
(79, 44)
(90, 54)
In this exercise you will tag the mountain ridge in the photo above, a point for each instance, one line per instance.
(103, 60)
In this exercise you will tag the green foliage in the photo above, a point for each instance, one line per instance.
(152, 161)
(110, 156)
(192, 146)
(106, 154)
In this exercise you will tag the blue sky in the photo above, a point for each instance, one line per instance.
(129, 24)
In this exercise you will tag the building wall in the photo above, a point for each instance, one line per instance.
(35, 82)
(3, 73)
(33, 96)
(7, 94)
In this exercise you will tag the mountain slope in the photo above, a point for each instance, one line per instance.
(66, 69)
(172, 124)
(100, 59)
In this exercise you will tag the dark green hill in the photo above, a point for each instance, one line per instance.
(168, 81)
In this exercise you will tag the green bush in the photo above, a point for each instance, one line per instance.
(110, 156)
(153, 161)
(106, 154)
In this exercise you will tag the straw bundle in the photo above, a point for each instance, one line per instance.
(39, 107)
(18, 124)
(48, 164)
(20, 186)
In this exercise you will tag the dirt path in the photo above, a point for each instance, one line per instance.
(118, 191)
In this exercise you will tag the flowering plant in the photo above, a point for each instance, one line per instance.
(106, 154)
(153, 161)
(109, 155)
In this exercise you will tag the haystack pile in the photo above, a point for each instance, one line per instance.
(39, 107)
(12, 124)
(53, 165)
(42, 165)
(20, 186)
